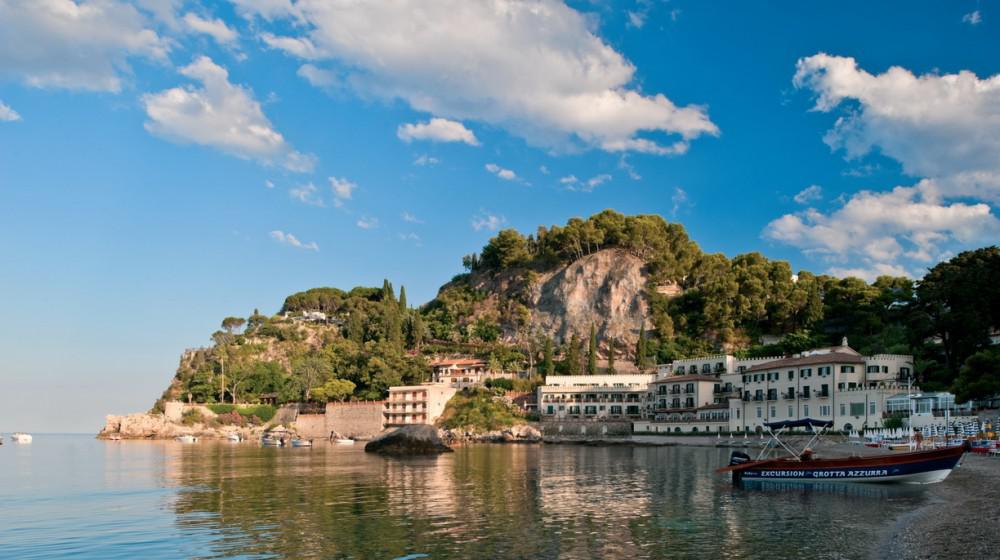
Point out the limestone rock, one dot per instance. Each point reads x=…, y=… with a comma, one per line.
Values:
x=417, y=439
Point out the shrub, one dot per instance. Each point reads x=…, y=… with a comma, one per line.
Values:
x=500, y=383
x=191, y=417
x=221, y=408
x=264, y=412
x=231, y=418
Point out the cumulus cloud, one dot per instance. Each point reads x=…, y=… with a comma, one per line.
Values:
x=214, y=28
x=942, y=128
x=7, y=114
x=505, y=174
x=463, y=60
x=973, y=18
x=317, y=77
x=809, y=194
x=935, y=125
x=487, y=221
x=342, y=189
x=289, y=239
x=65, y=44
x=306, y=194
x=426, y=160
x=437, y=130
x=221, y=115
x=366, y=222
x=883, y=228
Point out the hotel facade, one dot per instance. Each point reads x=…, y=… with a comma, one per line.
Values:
x=723, y=393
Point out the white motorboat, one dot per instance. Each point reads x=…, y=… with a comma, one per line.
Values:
x=187, y=439
x=343, y=441
x=235, y=438
x=20, y=437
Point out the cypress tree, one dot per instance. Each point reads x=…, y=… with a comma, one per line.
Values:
x=640, y=349
x=572, y=358
x=548, y=366
x=592, y=351
x=611, y=356
x=402, y=298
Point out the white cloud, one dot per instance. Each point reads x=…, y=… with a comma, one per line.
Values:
x=306, y=194
x=871, y=273
x=425, y=160
x=636, y=19
x=318, y=77
x=882, y=228
x=342, y=189
x=679, y=199
x=410, y=237
x=366, y=222
x=464, y=60
x=289, y=239
x=574, y=184
x=408, y=217
x=809, y=194
x=221, y=115
x=267, y=9
x=505, y=174
x=7, y=114
x=569, y=180
x=65, y=44
x=598, y=180
x=623, y=164
x=934, y=125
x=268, y=183
x=973, y=18
x=437, y=130
x=543, y=169
x=487, y=221
x=214, y=28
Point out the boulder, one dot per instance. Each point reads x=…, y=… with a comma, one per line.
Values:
x=417, y=439
x=522, y=432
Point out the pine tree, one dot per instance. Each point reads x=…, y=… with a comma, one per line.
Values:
x=640, y=349
x=355, y=327
x=592, y=351
x=402, y=298
x=611, y=356
x=572, y=358
x=548, y=365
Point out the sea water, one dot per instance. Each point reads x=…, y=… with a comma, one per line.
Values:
x=77, y=497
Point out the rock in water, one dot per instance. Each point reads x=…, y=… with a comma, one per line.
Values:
x=418, y=439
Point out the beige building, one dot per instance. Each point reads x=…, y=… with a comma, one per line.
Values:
x=594, y=397
x=464, y=372
x=416, y=404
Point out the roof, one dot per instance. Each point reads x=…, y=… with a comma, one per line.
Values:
x=814, y=359
x=681, y=378
x=457, y=362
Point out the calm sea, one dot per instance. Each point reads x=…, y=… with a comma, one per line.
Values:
x=73, y=496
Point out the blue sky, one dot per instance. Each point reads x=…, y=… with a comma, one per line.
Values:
x=165, y=163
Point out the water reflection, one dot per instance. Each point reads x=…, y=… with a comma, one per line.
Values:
x=510, y=502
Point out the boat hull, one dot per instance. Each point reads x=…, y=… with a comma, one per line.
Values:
x=921, y=467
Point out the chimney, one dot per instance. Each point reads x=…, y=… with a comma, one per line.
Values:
x=843, y=342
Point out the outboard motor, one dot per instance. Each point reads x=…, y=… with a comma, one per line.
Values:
x=738, y=458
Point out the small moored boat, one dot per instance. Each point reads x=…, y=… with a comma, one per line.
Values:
x=302, y=442
x=186, y=439
x=344, y=441
x=20, y=437
x=234, y=437
x=918, y=467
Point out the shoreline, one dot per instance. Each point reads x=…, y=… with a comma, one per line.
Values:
x=958, y=521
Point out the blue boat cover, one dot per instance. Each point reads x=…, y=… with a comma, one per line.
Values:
x=803, y=423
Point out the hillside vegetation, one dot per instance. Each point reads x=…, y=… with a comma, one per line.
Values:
x=629, y=290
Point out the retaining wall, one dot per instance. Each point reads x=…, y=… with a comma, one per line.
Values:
x=585, y=430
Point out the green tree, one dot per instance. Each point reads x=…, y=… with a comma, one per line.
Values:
x=572, y=356
x=402, y=299
x=548, y=364
x=611, y=356
x=311, y=372
x=592, y=351
x=508, y=249
x=334, y=390
x=231, y=324
x=980, y=376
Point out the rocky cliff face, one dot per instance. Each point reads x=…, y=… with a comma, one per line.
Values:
x=606, y=288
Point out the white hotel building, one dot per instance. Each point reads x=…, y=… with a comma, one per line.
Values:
x=722, y=393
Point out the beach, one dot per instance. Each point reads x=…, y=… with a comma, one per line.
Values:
x=959, y=521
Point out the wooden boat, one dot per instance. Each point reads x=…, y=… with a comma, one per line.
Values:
x=918, y=467
x=20, y=437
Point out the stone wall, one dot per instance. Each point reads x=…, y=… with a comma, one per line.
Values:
x=312, y=426
x=359, y=420
x=569, y=429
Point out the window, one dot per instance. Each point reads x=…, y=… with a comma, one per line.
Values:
x=904, y=371
x=550, y=410
x=745, y=378
x=871, y=407
x=872, y=369
x=758, y=412
x=846, y=369
x=774, y=412
x=857, y=409
x=805, y=410
x=706, y=368
x=791, y=412
x=805, y=392
x=616, y=409
x=741, y=369
x=590, y=410
x=885, y=369
x=738, y=413
x=791, y=375
x=843, y=409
